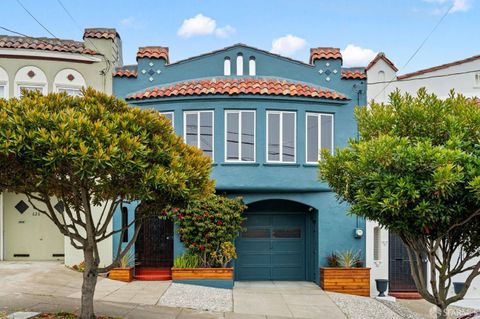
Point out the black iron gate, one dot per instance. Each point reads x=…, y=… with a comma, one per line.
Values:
x=154, y=246
x=399, y=272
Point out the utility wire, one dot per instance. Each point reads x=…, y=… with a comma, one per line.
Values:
x=418, y=49
x=44, y=27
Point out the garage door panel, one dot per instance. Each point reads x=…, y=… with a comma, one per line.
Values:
x=245, y=246
x=272, y=247
x=253, y=260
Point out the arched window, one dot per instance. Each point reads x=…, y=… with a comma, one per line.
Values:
x=240, y=64
x=377, y=243
x=227, y=67
x=30, y=78
x=381, y=76
x=252, y=66
x=69, y=81
x=3, y=84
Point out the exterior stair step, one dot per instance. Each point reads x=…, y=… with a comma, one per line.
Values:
x=405, y=295
x=153, y=274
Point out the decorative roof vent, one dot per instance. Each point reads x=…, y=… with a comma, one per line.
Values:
x=324, y=53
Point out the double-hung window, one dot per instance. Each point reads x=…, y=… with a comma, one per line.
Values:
x=281, y=136
x=3, y=91
x=168, y=115
x=319, y=135
x=30, y=88
x=198, y=130
x=239, y=136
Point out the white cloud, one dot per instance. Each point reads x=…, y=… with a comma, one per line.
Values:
x=224, y=32
x=287, y=45
x=357, y=56
x=131, y=22
x=203, y=25
x=444, y=5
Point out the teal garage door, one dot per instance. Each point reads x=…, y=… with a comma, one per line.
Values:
x=272, y=247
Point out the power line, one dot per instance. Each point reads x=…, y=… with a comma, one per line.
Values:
x=44, y=27
x=418, y=49
x=425, y=77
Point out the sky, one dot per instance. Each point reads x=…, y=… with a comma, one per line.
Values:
x=360, y=28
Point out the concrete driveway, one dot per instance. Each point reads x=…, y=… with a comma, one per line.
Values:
x=50, y=286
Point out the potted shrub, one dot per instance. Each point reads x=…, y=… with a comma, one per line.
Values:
x=345, y=274
x=125, y=270
x=208, y=229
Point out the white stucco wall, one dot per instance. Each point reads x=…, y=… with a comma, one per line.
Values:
x=74, y=256
x=378, y=268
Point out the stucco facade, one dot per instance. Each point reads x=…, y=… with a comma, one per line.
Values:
x=273, y=172
x=50, y=65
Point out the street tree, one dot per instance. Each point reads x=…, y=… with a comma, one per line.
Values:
x=94, y=152
x=415, y=169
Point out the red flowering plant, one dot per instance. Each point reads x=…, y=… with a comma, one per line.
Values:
x=208, y=228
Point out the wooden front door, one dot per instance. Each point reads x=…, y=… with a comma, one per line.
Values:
x=154, y=246
x=399, y=273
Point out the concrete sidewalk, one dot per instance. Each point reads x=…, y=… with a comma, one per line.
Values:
x=51, y=287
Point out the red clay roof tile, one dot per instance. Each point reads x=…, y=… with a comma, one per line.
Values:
x=153, y=53
x=238, y=86
x=381, y=56
x=324, y=53
x=44, y=44
x=126, y=73
x=353, y=75
x=100, y=33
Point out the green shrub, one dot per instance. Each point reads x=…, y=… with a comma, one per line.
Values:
x=187, y=260
x=208, y=227
x=348, y=258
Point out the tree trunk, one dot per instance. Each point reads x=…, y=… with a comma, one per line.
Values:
x=88, y=286
x=441, y=313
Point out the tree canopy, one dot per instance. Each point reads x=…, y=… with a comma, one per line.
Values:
x=415, y=169
x=95, y=150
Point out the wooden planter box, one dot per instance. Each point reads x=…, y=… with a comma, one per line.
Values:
x=122, y=274
x=209, y=277
x=353, y=281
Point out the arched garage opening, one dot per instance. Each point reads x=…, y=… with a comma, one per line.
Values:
x=279, y=242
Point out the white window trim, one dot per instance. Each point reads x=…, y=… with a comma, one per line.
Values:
x=227, y=66
x=198, y=121
x=281, y=137
x=239, y=64
x=173, y=116
x=41, y=86
x=319, y=121
x=476, y=84
x=239, y=112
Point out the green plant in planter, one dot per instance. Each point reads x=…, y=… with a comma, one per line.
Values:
x=332, y=260
x=187, y=260
x=128, y=260
x=208, y=227
x=348, y=258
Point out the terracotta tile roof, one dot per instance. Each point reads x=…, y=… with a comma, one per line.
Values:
x=101, y=33
x=239, y=86
x=153, y=53
x=324, y=53
x=381, y=56
x=439, y=67
x=353, y=75
x=126, y=73
x=45, y=44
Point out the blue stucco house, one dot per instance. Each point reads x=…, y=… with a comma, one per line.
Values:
x=262, y=118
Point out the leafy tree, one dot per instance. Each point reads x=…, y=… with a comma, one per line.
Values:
x=90, y=151
x=208, y=226
x=415, y=169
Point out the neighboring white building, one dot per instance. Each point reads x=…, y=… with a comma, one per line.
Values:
x=384, y=252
